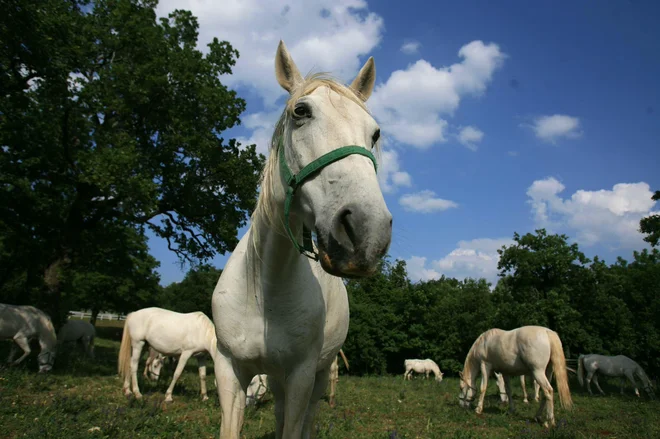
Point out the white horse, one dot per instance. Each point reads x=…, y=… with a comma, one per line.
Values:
x=422, y=366
x=24, y=323
x=529, y=349
x=502, y=389
x=155, y=362
x=170, y=333
x=275, y=310
x=74, y=330
x=616, y=366
x=257, y=389
x=334, y=377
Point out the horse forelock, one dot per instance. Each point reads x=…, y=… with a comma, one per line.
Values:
x=265, y=210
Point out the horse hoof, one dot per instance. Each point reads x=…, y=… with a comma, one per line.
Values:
x=168, y=399
x=138, y=396
x=205, y=398
x=478, y=411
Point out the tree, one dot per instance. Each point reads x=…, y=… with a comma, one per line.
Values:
x=541, y=275
x=193, y=293
x=107, y=115
x=115, y=273
x=650, y=225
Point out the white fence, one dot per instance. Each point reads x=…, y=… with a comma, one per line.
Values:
x=101, y=316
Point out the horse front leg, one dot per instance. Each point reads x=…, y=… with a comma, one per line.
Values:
x=185, y=356
x=231, y=392
x=631, y=378
x=299, y=387
x=485, y=371
x=24, y=344
x=320, y=384
x=201, y=367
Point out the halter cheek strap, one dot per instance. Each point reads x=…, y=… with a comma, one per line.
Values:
x=294, y=181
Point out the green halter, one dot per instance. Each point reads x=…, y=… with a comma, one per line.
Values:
x=295, y=181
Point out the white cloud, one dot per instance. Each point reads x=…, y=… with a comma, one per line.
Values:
x=390, y=174
x=411, y=47
x=469, y=137
x=596, y=217
x=476, y=259
x=324, y=35
x=262, y=125
x=552, y=128
x=425, y=202
x=410, y=104
x=417, y=270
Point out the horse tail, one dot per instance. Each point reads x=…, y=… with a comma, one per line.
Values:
x=125, y=352
x=341, y=352
x=559, y=367
x=580, y=371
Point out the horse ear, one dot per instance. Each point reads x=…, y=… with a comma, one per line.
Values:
x=363, y=84
x=286, y=71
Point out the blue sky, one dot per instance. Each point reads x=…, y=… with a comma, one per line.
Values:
x=548, y=117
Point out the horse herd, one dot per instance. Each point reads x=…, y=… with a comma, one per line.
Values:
x=280, y=308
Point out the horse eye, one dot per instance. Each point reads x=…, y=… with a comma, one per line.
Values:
x=301, y=110
x=376, y=136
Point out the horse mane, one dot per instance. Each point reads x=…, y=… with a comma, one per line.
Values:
x=264, y=210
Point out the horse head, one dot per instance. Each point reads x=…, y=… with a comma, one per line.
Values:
x=328, y=171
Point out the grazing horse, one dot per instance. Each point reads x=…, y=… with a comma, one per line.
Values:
x=422, y=366
x=529, y=349
x=334, y=377
x=280, y=307
x=74, y=330
x=617, y=366
x=170, y=333
x=257, y=389
x=502, y=389
x=24, y=323
x=154, y=364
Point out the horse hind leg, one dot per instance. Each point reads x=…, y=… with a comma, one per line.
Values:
x=524, y=389
x=547, y=398
x=590, y=376
x=137, y=346
x=598, y=384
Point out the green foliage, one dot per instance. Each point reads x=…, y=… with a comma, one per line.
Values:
x=193, y=293
x=651, y=225
x=111, y=120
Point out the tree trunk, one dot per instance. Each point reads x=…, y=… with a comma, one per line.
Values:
x=95, y=314
x=52, y=279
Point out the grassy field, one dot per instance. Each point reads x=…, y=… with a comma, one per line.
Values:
x=83, y=399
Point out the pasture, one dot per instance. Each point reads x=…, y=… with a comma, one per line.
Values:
x=83, y=399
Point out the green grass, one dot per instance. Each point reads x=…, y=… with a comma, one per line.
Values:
x=80, y=395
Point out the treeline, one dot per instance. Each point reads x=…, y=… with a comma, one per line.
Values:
x=595, y=307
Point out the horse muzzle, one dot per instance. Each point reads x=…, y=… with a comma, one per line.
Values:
x=357, y=240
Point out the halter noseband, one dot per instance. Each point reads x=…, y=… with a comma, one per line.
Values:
x=294, y=181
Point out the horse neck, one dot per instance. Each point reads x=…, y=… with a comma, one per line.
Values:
x=271, y=255
x=47, y=338
x=471, y=369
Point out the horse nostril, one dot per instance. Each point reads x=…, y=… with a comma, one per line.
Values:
x=345, y=219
